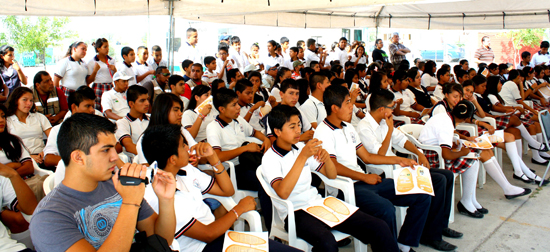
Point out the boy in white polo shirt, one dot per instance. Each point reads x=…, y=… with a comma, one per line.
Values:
x=144, y=72
x=156, y=58
x=313, y=107
x=377, y=129
x=130, y=127
x=373, y=195
x=114, y=102
x=250, y=112
x=210, y=74
x=287, y=167
x=125, y=66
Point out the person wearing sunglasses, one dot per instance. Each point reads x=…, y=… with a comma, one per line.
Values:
x=157, y=85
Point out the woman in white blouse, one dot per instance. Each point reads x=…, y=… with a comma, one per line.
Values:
x=25, y=123
x=359, y=57
x=429, y=80
x=102, y=77
x=71, y=71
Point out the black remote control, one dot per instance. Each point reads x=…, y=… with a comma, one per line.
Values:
x=131, y=181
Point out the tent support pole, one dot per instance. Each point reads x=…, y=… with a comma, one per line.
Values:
x=171, y=37
x=377, y=19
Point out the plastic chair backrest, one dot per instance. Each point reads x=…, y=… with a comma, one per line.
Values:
x=544, y=119
x=412, y=129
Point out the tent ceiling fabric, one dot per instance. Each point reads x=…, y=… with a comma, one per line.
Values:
x=445, y=14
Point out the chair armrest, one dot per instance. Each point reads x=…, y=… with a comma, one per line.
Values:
x=491, y=121
x=404, y=151
x=471, y=128
x=252, y=217
x=405, y=119
x=232, y=173
x=343, y=183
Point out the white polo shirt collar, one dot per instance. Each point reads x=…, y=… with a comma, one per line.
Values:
x=131, y=119
x=279, y=151
x=72, y=59
x=222, y=123
x=374, y=125
x=332, y=126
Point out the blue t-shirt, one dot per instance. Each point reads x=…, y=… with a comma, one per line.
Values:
x=65, y=216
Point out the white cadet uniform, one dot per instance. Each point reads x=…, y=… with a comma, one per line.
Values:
x=314, y=110
x=8, y=199
x=190, y=116
x=228, y=136
x=116, y=102
x=277, y=163
x=72, y=73
x=510, y=94
x=132, y=128
x=188, y=202
x=128, y=70
x=31, y=132
x=140, y=69
x=341, y=144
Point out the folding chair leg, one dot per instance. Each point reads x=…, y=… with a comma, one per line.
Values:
x=545, y=173
x=481, y=178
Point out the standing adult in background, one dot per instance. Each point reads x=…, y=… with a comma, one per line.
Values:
x=49, y=100
x=102, y=78
x=71, y=71
x=484, y=54
x=340, y=51
x=378, y=54
x=235, y=54
x=542, y=57
x=156, y=58
x=397, y=51
x=311, y=54
x=190, y=50
x=11, y=71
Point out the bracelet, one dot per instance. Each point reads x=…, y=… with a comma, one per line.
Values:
x=202, y=116
x=249, y=112
x=130, y=204
x=235, y=211
x=216, y=164
x=218, y=173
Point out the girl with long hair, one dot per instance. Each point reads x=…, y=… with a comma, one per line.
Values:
x=429, y=80
x=12, y=74
x=195, y=122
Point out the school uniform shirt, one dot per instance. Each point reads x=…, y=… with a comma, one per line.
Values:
x=25, y=157
x=8, y=199
x=190, y=116
x=240, y=59
x=128, y=70
x=311, y=56
x=130, y=127
x=272, y=61
x=494, y=101
x=275, y=92
x=51, y=143
x=140, y=69
x=254, y=118
x=374, y=133
x=188, y=200
x=191, y=53
x=485, y=104
x=428, y=80
x=314, y=110
x=341, y=55
x=151, y=61
x=362, y=60
x=520, y=65
x=209, y=77
x=31, y=132
x=72, y=73
x=288, y=63
x=141, y=158
x=10, y=77
x=441, y=107
x=354, y=118
x=438, y=93
x=277, y=163
x=408, y=99
x=421, y=96
x=228, y=136
x=303, y=121
x=539, y=58
x=219, y=68
x=510, y=93
x=341, y=144
x=104, y=75
x=116, y=102
x=439, y=131
x=69, y=113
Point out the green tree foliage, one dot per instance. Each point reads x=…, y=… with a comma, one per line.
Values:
x=36, y=34
x=524, y=38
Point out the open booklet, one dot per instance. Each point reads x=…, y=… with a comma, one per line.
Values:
x=204, y=103
x=245, y=241
x=409, y=181
x=545, y=91
x=485, y=141
x=330, y=210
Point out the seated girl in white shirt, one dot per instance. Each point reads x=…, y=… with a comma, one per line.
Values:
x=405, y=100
x=195, y=122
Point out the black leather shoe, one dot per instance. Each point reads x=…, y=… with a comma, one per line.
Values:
x=523, y=178
x=525, y=192
x=537, y=162
x=483, y=210
x=544, y=183
x=439, y=245
x=447, y=232
x=542, y=148
x=464, y=211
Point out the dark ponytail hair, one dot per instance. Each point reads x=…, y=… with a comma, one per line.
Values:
x=463, y=110
x=73, y=46
x=3, y=50
x=492, y=88
x=99, y=43
x=280, y=73
x=197, y=91
x=10, y=144
x=376, y=81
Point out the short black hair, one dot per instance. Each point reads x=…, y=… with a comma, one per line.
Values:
x=223, y=47
x=399, y=75
x=160, y=142
x=492, y=66
x=442, y=71
x=460, y=73
x=348, y=64
x=174, y=79
x=513, y=74
x=159, y=69
x=189, y=31
x=463, y=61
x=299, y=43
x=284, y=39
x=80, y=132
x=125, y=51
x=242, y=85
x=314, y=79
x=235, y=39
x=305, y=71
x=38, y=77
x=544, y=44
x=463, y=110
x=186, y=63
x=156, y=48
x=525, y=54
x=339, y=82
x=310, y=42
x=280, y=115
x=232, y=73
x=451, y=87
x=295, y=49
x=380, y=99
x=289, y=83
x=208, y=60
x=223, y=97
x=467, y=83
x=334, y=95
x=343, y=38
x=502, y=67
x=197, y=65
x=360, y=68
x=313, y=63
x=134, y=92
x=479, y=79
x=81, y=94
x=254, y=74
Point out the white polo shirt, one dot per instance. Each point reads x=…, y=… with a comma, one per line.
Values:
x=130, y=127
x=104, y=75
x=239, y=57
x=303, y=120
x=140, y=69
x=190, y=52
x=342, y=56
x=254, y=118
x=273, y=61
x=408, y=99
x=228, y=136
x=154, y=65
x=190, y=116
x=520, y=65
x=494, y=101
x=341, y=144
x=116, y=102
x=314, y=110
x=72, y=73
x=5, y=160
x=209, y=77
x=276, y=92
x=31, y=132
x=277, y=163
x=141, y=158
x=51, y=144
x=510, y=93
x=438, y=93
x=362, y=60
x=439, y=131
x=219, y=68
x=428, y=80
x=8, y=199
x=373, y=133
x=311, y=56
x=190, y=187
x=539, y=58
x=128, y=70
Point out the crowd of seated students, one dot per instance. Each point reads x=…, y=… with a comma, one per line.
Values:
x=295, y=111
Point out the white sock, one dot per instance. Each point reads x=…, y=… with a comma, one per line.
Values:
x=527, y=136
x=469, y=181
x=514, y=158
x=519, y=146
x=494, y=170
x=528, y=172
x=403, y=248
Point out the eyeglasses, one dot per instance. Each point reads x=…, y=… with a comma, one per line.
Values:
x=392, y=107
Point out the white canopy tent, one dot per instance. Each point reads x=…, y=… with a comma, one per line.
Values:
x=426, y=14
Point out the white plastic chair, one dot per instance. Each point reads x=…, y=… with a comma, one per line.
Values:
x=252, y=217
x=405, y=119
x=239, y=194
x=278, y=225
x=48, y=185
x=544, y=120
x=40, y=171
